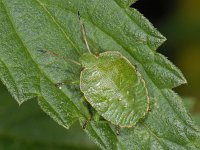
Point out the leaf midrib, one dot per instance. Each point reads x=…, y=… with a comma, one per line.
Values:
x=59, y=26
x=26, y=49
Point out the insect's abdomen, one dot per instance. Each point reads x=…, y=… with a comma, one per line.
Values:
x=115, y=89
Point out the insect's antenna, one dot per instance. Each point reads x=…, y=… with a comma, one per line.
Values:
x=57, y=55
x=83, y=32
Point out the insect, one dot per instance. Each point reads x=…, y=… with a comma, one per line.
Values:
x=113, y=86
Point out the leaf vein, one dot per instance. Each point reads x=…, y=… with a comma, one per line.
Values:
x=26, y=49
x=59, y=26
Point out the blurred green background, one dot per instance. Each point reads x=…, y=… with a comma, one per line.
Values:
x=179, y=22
x=27, y=127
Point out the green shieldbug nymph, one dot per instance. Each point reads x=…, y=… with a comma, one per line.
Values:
x=112, y=86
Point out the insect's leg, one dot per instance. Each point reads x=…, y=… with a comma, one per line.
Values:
x=96, y=117
x=86, y=123
x=86, y=109
x=58, y=56
x=117, y=128
x=99, y=119
x=93, y=46
x=90, y=113
x=82, y=28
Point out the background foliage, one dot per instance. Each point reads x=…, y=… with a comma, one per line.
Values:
x=179, y=21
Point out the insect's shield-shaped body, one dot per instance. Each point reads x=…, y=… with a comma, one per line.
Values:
x=113, y=87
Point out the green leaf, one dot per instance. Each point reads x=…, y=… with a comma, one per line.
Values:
x=28, y=127
x=27, y=26
x=125, y=3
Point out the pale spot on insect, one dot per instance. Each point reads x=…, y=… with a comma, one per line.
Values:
x=95, y=73
x=98, y=84
x=126, y=105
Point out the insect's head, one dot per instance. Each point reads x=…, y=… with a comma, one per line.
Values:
x=88, y=60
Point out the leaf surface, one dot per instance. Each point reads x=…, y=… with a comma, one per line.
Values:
x=27, y=26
